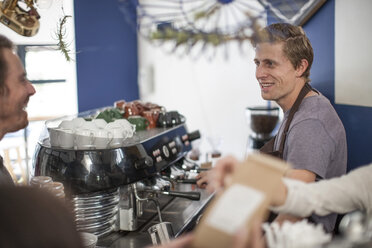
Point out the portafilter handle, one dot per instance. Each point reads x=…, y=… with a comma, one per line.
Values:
x=190, y=181
x=194, y=196
x=194, y=135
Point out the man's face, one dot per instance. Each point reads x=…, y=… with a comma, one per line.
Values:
x=16, y=94
x=275, y=73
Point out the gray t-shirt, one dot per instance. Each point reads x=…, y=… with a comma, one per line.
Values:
x=316, y=141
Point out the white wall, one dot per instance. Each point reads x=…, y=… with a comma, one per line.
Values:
x=212, y=94
x=353, y=40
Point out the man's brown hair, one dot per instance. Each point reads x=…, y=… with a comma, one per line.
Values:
x=296, y=44
x=5, y=43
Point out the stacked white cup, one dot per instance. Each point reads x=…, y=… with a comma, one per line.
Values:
x=63, y=136
x=121, y=129
x=97, y=134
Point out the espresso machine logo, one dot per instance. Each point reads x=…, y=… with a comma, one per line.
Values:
x=24, y=22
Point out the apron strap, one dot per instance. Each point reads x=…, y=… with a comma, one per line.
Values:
x=306, y=89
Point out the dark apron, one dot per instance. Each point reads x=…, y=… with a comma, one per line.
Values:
x=268, y=148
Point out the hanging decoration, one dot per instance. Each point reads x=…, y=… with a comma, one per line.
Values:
x=196, y=26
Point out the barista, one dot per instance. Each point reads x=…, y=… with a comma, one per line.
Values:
x=311, y=137
x=29, y=217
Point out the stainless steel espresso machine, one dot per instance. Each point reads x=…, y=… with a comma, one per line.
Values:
x=118, y=193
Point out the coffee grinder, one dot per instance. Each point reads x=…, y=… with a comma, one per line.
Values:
x=262, y=120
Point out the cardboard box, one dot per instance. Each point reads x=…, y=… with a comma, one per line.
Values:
x=248, y=196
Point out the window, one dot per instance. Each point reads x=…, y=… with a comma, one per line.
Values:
x=55, y=82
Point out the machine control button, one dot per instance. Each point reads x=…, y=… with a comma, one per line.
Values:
x=174, y=150
x=156, y=152
x=165, y=151
x=172, y=144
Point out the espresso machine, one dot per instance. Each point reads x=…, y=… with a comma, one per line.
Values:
x=117, y=191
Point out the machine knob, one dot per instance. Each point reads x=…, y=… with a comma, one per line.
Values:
x=165, y=151
x=143, y=163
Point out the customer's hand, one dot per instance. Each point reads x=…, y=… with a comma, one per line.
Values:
x=181, y=242
x=280, y=195
x=220, y=175
x=202, y=179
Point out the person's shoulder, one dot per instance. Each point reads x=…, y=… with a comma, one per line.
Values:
x=317, y=101
x=323, y=101
x=317, y=111
x=318, y=107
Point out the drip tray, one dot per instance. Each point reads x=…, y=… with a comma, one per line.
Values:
x=182, y=213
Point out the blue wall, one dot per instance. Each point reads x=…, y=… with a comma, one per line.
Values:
x=357, y=120
x=107, y=54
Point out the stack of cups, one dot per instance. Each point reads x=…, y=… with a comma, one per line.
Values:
x=45, y=182
x=56, y=188
x=39, y=181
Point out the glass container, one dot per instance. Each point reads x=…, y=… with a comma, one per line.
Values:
x=262, y=121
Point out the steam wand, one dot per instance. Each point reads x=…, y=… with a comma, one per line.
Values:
x=138, y=198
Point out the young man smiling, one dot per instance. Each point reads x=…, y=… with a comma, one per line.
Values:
x=311, y=137
x=15, y=91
